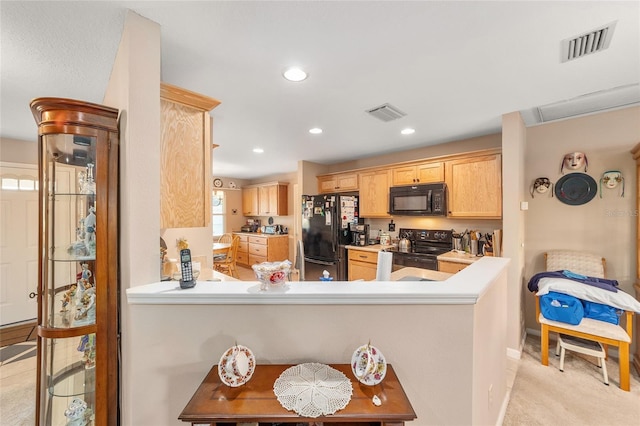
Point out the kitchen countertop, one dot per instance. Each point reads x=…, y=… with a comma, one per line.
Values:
x=464, y=287
x=458, y=257
x=260, y=234
x=374, y=247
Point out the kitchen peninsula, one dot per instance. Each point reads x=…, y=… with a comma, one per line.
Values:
x=444, y=338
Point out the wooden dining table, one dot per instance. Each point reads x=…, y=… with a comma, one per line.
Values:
x=220, y=248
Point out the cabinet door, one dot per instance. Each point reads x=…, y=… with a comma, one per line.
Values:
x=404, y=175
x=362, y=271
x=430, y=172
x=475, y=187
x=250, y=201
x=185, y=158
x=267, y=200
x=374, y=194
x=450, y=267
x=338, y=183
x=327, y=184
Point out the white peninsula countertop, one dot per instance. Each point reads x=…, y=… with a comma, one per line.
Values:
x=465, y=287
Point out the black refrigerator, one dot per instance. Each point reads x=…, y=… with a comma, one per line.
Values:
x=325, y=233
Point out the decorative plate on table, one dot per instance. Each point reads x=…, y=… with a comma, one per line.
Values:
x=575, y=189
x=359, y=361
x=246, y=365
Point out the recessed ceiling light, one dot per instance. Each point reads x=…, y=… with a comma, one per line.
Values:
x=258, y=150
x=294, y=74
x=315, y=131
x=408, y=131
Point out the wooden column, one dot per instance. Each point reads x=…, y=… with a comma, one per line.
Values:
x=636, y=155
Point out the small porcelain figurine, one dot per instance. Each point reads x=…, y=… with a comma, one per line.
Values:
x=75, y=413
x=574, y=161
x=611, y=179
x=541, y=185
x=86, y=309
x=88, y=347
x=90, y=230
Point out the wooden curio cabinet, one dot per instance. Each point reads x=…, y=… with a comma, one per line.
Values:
x=78, y=321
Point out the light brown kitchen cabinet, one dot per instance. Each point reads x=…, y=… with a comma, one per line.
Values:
x=185, y=157
x=269, y=199
x=250, y=201
x=272, y=248
x=418, y=174
x=451, y=267
x=272, y=200
x=338, y=183
x=374, y=193
x=363, y=265
x=242, y=257
x=474, y=186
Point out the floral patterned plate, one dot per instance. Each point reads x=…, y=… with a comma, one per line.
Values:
x=359, y=362
x=245, y=366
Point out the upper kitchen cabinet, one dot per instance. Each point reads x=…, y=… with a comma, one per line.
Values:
x=267, y=199
x=340, y=182
x=474, y=184
x=418, y=173
x=250, y=201
x=374, y=193
x=185, y=157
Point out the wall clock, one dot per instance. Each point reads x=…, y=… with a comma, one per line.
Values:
x=217, y=183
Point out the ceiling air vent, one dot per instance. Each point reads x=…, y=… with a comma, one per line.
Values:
x=386, y=112
x=591, y=42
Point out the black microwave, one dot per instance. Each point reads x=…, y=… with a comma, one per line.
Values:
x=418, y=200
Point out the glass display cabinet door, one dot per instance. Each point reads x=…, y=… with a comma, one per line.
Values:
x=77, y=299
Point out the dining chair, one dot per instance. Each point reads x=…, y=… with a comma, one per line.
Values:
x=226, y=238
x=228, y=264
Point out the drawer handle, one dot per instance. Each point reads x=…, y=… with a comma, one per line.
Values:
x=363, y=256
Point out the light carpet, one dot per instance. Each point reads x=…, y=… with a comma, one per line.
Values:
x=543, y=395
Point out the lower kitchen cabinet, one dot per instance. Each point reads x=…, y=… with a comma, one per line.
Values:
x=451, y=267
x=258, y=248
x=362, y=265
x=242, y=256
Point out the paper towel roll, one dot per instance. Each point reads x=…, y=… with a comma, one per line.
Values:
x=383, y=271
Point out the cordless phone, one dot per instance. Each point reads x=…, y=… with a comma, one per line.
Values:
x=187, y=280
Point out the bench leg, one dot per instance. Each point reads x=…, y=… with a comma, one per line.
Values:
x=623, y=355
x=544, y=344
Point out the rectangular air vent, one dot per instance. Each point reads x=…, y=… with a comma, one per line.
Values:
x=386, y=112
x=584, y=44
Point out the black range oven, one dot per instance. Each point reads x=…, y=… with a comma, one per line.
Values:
x=426, y=246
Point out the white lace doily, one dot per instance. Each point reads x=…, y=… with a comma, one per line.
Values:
x=313, y=389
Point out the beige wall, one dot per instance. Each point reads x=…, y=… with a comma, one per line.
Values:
x=18, y=151
x=513, y=193
x=605, y=226
x=134, y=88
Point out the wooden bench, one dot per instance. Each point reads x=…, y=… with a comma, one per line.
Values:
x=590, y=329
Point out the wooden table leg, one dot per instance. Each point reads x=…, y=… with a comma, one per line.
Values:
x=544, y=344
x=623, y=355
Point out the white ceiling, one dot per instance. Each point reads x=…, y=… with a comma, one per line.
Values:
x=453, y=67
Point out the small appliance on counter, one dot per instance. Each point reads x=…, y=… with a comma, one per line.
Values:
x=275, y=229
x=359, y=234
x=252, y=226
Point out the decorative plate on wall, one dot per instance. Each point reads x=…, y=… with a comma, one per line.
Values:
x=576, y=189
x=217, y=183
